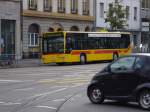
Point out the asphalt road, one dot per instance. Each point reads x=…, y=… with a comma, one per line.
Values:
x=53, y=89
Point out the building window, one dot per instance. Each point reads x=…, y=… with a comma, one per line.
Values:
x=61, y=6
x=74, y=28
x=110, y=5
x=85, y=7
x=135, y=40
x=127, y=12
x=116, y=1
x=146, y=4
x=74, y=6
x=33, y=39
x=135, y=13
x=7, y=36
x=48, y=5
x=102, y=10
x=143, y=3
x=32, y=4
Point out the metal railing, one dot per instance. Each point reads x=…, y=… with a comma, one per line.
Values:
x=141, y=50
x=8, y=60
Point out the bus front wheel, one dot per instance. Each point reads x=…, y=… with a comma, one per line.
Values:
x=82, y=59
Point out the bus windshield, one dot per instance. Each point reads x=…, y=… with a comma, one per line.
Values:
x=53, y=44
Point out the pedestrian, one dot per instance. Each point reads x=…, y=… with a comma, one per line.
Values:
x=2, y=44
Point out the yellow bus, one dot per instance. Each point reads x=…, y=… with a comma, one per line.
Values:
x=70, y=46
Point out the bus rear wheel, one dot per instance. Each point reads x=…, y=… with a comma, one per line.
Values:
x=82, y=59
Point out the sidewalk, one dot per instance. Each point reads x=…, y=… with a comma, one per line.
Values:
x=24, y=63
x=28, y=63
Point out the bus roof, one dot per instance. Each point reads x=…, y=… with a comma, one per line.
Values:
x=88, y=32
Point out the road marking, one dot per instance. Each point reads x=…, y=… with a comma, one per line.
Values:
x=46, y=107
x=48, y=93
x=59, y=100
x=75, y=81
x=39, y=74
x=77, y=78
x=15, y=81
x=82, y=79
x=78, y=85
x=8, y=81
x=9, y=103
x=41, y=95
x=24, y=89
x=46, y=81
x=60, y=86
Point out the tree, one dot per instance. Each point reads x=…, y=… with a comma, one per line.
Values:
x=116, y=16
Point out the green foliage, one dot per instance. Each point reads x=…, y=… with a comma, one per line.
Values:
x=116, y=16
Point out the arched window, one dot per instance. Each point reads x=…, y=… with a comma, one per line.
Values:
x=74, y=28
x=57, y=27
x=33, y=34
x=51, y=29
x=87, y=29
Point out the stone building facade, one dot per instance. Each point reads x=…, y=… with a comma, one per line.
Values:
x=133, y=18
x=10, y=28
x=145, y=24
x=41, y=16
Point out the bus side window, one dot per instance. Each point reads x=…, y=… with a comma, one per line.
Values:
x=101, y=44
x=69, y=44
x=105, y=42
x=96, y=43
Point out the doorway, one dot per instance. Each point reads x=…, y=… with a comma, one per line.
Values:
x=8, y=37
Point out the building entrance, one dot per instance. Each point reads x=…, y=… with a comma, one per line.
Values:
x=7, y=37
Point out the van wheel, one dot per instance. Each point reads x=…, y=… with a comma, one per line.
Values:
x=82, y=59
x=144, y=99
x=115, y=56
x=95, y=95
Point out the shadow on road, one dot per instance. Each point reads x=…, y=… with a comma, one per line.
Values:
x=113, y=105
x=76, y=64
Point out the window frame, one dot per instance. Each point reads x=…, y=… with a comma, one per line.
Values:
x=146, y=4
x=85, y=7
x=74, y=6
x=36, y=36
x=127, y=12
x=47, y=5
x=135, y=13
x=32, y=4
x=101, y=10
x=61, y=6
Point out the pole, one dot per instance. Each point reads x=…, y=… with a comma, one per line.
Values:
x=21, y=25
x=95, y=13
x=0, y=39
x=140, y=21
